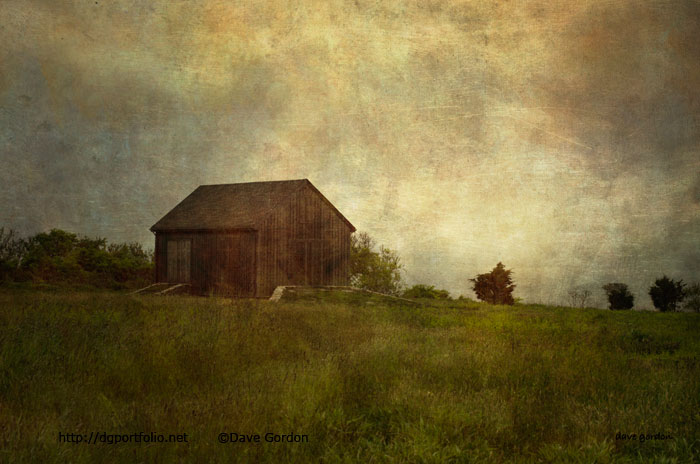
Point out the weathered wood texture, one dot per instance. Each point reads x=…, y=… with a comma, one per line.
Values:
x=178, y=259
x=301, y=239
x=305, y=243
x=220, y=263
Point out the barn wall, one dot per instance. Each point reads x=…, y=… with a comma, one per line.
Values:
x=221, y=263
x=160, y=252
x=304, y=242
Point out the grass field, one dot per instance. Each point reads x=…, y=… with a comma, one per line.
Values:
x=365, y=380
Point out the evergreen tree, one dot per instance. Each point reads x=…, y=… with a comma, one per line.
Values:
x=667, y=293
x=495, y=287
x=619, y=296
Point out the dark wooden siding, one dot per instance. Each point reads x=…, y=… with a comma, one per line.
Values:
x=221, y=263
x=303, y=243
x=178, y=254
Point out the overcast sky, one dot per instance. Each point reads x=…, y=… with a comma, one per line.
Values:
x=560, y=137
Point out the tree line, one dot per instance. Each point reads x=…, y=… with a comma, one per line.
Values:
x=379, y=269
x=59, y=257
x=668, y=295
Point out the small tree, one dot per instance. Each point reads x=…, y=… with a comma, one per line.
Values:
x=12, y=252
x=692, y=298
x=619, y=296
x=379, y=271
x=579, y=297
x=495, y=287
x=667, y=293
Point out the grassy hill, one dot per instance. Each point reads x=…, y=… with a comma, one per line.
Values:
x=366, y=380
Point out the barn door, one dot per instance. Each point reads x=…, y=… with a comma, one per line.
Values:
x=179, y=259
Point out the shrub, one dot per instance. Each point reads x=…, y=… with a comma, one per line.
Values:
x=58, y=256
x=495, y=287
x=426, y=291
x=692, y=298
x=666, y=294
x=619, y=296
x=379, y=271
x=578, y=297
x=12, y=251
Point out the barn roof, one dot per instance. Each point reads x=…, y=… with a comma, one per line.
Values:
x=233, y=206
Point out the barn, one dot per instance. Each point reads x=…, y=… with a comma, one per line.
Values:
x=244, y=240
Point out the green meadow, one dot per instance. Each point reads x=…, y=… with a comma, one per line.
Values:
x=363, y=379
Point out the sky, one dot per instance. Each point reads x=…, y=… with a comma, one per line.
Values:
x=561, y=138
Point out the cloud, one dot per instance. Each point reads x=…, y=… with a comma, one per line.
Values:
x=561, y=139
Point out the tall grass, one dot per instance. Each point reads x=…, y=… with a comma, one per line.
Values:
x=366, y=380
